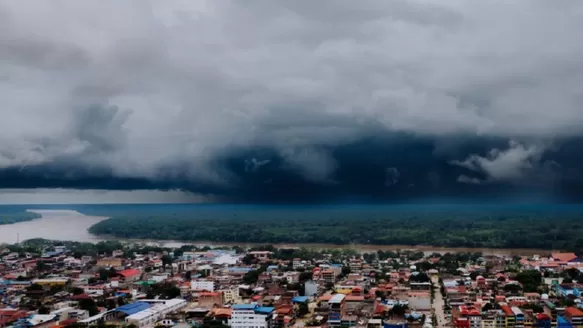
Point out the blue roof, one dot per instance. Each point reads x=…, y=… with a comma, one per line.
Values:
x=244, y=306
x=235, y=269
x=300, y=299
x=264, y=309
x=562, y=322
x=335, y=265
x=133, y=308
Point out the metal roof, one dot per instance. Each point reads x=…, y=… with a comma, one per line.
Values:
x=133, y=308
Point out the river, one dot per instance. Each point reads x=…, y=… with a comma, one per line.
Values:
x=72, y=225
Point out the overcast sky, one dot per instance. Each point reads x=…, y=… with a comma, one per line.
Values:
x=254, y=98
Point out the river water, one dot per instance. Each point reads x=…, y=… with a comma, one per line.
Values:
x=72, y=225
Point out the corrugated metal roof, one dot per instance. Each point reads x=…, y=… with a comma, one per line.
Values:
x=133, y=308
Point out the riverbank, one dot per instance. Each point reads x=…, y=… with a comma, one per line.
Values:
x=54, y=225
x=73, y=226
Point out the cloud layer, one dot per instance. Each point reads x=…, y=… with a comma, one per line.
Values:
x=224, y=96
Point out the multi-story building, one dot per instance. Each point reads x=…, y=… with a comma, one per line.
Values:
x=336, y=310
x=519, y=317
x=251, y=316
x=542, y=320
x=310, y=288
x=328, y=276
x=355, y=265
x=550, y=310
x=467, y=317
x=202, y=284
x=231, y=295
x=574, y=316
x=510, y=316
x=297, y=263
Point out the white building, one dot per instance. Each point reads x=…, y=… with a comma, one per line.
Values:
x=202, y=284
x=158, y=311
x=297, y=263
x=310, y=288
x=251, y=316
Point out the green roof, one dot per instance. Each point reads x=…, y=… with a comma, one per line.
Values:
x=145, y=283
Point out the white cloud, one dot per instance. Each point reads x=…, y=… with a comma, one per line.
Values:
x=511, y=164
x=136, y=87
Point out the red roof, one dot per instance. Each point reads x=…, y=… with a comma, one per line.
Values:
x=564, y=257
x=80, y=297
x=353, y=298
x=130, y=273
x=507, y=310
x=573, y=312
x=542, y=316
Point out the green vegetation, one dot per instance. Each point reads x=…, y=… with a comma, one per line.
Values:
x=544, y=227
x=10, y=215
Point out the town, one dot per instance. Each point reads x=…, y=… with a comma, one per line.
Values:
x=47, y=284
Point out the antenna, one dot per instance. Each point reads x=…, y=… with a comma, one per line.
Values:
x=18, y=238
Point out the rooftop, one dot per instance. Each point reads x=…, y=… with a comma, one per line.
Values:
x=133, y=308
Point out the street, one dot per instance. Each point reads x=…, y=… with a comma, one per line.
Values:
x=438, y=304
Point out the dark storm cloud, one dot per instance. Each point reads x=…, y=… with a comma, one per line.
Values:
x=276, y=100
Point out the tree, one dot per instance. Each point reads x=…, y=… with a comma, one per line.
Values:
x=77, y=291
x=35, y=287
x=305, y=276
x=40, y=266
x=303, y=309
x=398, y=310
x=44, y=310
x=166, y=260
x=89, y=305
x=103, y=274
x=512, y=288
x=487, y=307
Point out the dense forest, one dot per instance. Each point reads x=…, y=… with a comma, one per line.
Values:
x=9, y=215
x=547, y=227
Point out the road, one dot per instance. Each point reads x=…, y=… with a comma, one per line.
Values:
x=438, y=304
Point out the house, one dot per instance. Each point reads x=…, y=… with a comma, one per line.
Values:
x=565, y=257
x=9, y=316
x=130, y=275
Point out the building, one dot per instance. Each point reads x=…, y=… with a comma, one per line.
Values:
x=419, y=301
x=542, y=320
x=202, y=284
x=565, y=257
x=297, y=263
x=519, y=317
x=251, y=316
x=328, y=276
x=574, y=316
x=158, y=311
x=210, y=299
x=336, y=310
x=467, y=317
x=109, y=262
x=261, y=255
x=231, y=295
x=310, y=288
x=510, y=316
